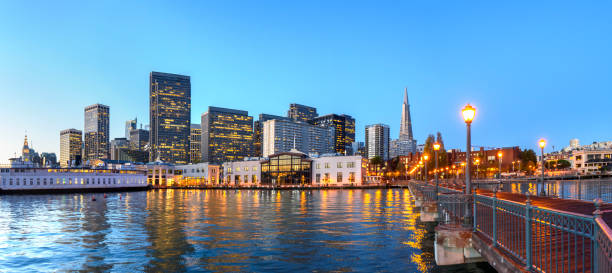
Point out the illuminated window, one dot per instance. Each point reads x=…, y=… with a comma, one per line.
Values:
x=351, y=177
x=339, y=176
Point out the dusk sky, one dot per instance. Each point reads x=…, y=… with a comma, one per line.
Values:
x=532, y=69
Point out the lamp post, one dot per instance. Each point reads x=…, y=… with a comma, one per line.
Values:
x=426, y=158
x=477, y=162
x=436, y=147
x=468, y=113
x=421, y=168
x=499, y=159
x=542, y=144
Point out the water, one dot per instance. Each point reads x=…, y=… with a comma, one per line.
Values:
x=587, y=190
x=218, y=231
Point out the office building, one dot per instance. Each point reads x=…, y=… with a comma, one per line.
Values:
x=117, y=145
x=139, y=139
x=339, y=170
x=242, y=173
x=344, y=130
x=227, y=135
x=170, y=117
x=298, y=112
x=195, y=143
x=284, y=135
x=71, y=142
x=377, y=141
x=96, y=137
x=258, y=132
x=129, y=126
x=405, y=144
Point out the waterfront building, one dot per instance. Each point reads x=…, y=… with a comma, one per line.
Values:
x=196, y=175
x=591, y=161
x=377, y=141
x=344, y=130
x=283, y=135
x=129, y=126
x=139, y=139
x=170, y=117
x=258, y=132
x=71, y=147
x=298, y=112
x=96, y=137
x=227, y=135
x=66, y=179
x=488, y=159
x=339, y=170
x=242, y=173
x=160, y=174
x=286, y=168
x=195, y=140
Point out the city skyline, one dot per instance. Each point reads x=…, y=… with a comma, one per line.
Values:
x=549, y=78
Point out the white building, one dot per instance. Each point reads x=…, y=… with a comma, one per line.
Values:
x=590, y=161
x=377, y=141
x=243, y=173
x=338, y=170
x=197, y=174
x=283, y=135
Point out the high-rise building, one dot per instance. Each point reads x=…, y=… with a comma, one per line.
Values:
x=300, y=112
x=139, y=139
x=344, y=126
x=96, y=138
x=405, y=144
x=227, y=135
x=285, y=135
x=129, y=126
x=170, y=117
x=71, y=143
x=258, y=132
x=195, y=140
x=117, y=145
x=377, y=141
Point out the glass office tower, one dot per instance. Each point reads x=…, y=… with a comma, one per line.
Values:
x=227, y=135
x=170, y=117
x=344, y=127
x=96, y=138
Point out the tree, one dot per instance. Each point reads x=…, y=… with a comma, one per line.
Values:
x=376, y=161
x=528, y=160
x=428, y=149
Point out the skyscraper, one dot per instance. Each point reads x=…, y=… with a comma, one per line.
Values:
x=344, y=126
x=170, y=117
x=96, y=136
x=227, y=135
x=129, y=126
x=283, y=135
x=258, y=132
x=139, y=138
x=377, y=141
x=300, y=112
x=195, y=143
x=406, y=143
x=71, y=144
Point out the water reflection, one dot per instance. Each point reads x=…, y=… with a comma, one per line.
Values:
x=570, y=189
x=216, y=230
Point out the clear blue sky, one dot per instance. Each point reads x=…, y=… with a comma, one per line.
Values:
x=532, y=68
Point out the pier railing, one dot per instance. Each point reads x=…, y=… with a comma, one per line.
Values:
x=545, y=240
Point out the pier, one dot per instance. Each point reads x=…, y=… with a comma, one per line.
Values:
x=517, y=232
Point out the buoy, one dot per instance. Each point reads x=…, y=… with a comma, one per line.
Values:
x=120, y=197
x=93, y=198
x=105, y=195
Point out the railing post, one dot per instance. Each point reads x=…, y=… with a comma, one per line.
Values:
x=596, y=215
x=474, y=207
x=495, y=218
x=528, y=232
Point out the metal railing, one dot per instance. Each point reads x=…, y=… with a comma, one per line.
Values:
x=545, y=240
x=453, y=207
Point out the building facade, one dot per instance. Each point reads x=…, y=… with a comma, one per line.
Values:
x=118, y=144
x=196, y=175
x=227, y=135
x=284, y=135
x=339, y=170
x=242, y=173
x=344, y=130
x=258, y=132
x=71, y=151
x=96, y=135
x=195, y=139
x=139, y=139
x=377, y=141
x=298, y=112
x=170, y=117
x=287, y=168
x=591, y=161
x=129, y=126
x=405, y=143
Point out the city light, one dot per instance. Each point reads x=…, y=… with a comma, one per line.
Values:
x=469, y=113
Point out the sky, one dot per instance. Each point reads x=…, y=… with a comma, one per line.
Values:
x=532, y=69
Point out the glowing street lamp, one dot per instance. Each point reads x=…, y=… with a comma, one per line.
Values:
x=436, y=147
x=542, y=144
x=426, y=158
x=499, y=159
x=468, y=113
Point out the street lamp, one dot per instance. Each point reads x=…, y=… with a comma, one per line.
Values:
x=542, y=144
x=477, y=162
x=421, y=168
x=499, y=159
x=436, y=147
x=426, y=158
x=468, y=113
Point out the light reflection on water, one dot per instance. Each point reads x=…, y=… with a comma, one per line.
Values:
x=218, y=230
x=569, y=189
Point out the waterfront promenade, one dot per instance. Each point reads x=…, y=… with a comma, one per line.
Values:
x=522, y=233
